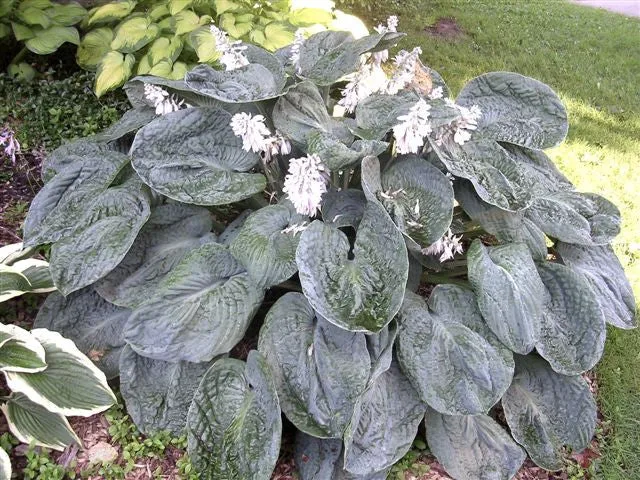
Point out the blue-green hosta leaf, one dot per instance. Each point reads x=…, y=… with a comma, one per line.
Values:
x=509, y=291
x=31, y=422
x=5, y=465
x=572, y=332
x=454, y=369
x=546, y=410
x=360, y=288
x=205, y=170
x=572, y=217
x=234, y=423
x=472, y=447
x=131, y=121
x=336, y=155
x=201, y=309
x=320, y=370
x=158, y=394
x=172, y=231
x=20, y=351
x=103, y=234
x=377, y=114
x=517, y=109
x=265, y=248
x=343, y=208
x=606, y=277
x=94, y=325
x=233, y=229
x=70, y=385
x=384, y=424
x=380, y=346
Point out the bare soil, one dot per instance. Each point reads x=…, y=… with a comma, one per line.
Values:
x=446, y=28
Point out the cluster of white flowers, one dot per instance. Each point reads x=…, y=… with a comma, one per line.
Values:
x=436, y=93
x=369, y=79
x=163, y=101
x=10, y=143
x=391, y=26
x=460, y=129
x=414, y=127
x=231, y=52
x=305, y=183
x=446, y=247
x=405, y=70
x=257, y=138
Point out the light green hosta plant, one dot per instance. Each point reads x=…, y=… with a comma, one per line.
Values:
x=308, y=195
x=21, y=274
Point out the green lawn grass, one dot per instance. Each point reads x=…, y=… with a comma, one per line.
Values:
x=592, y=59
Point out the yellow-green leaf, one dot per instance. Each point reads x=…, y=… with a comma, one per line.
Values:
x=110, y=12
x=49, y=40
x=114, y=69
x=22, y=71
x=158, y=12
x=239, y=30
x=227, y=20
x=39, y=4
x=164, y=68
x=133, y=34
x=226, y=6
x=67, y=15
x=180, y=69
x=34, y=16
x=93, y=47
x=144, y=65
x=278, y=35
x=186, y=21
x=4, y=30
x=5, y=7
x=21, y=32
x=176, y=6
x=164, y=48
x=310, y=16
x=204, y=43
x=257, y=36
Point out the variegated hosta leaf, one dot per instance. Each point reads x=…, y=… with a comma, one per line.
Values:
x=93, y=324
x=338, y=156
x=516, y=109
x=20, y=351
x=206, y=169
x=572, y=332
x=320, y=370
x=343, y=208
x=509, y=291
x=377, y=114
x=31, y=422
x=360, y=288
x=234, y=423
x=384, y=424
x=572, y=217
x=265, y=247
x=606, y=277
x=87, y=171
x=172, y=231
x=70, y=385
x=454, y=369
x=200, y=310
x=5, y=465
x=30, y=275
x=102, y=236
x=546, y=410
x=158, y=394
x=472, y=447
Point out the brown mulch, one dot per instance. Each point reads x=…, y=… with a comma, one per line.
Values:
x=446, y=28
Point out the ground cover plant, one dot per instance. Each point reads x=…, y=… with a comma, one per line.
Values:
x=277, y=176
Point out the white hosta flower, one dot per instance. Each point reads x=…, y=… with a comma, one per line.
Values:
x=252, y=130
x=367, y=80
x=305, y=183
x=405, y=70
x=436, y=93
x=296, y=228
x=231, y=52
x=468, y=121
x=446, y=247
x=391, y=26
x=10, y=143
x=275, y=145
x=163, y=101
x=414, y=127
x=295, y=49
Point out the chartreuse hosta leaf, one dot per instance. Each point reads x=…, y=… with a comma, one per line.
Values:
x=546, y=410
x=205, y=170
x=158, y=394
x=70, y=385
x=110, y=12
x=234, y=423
x=5, y=465
x=31, y=422
x=50, y=39
x=93, y=324
x=454, y=368
x=201, y=309
x=264, y=245
x=320, y=370
x=172, y=231
x=510, y=292
x=112, y=221
x=472, y=447
x=93, y=46
x=384, y=424
x=20, y=351
x=133, y=34
x=605, y=275
x=358, y=288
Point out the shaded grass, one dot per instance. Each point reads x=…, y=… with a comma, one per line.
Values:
x=592, y=59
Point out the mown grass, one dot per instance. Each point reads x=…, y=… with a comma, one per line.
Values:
x=592, y=59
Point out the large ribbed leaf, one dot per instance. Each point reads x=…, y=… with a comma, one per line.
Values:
x=343, y=208
x=20, y=351
x=517, y=109
x=572, y=217
x=606, y=276
x=384, y=424
x=320, y=370
x=233, y=228
x=158, y=394
x=510, y=292
x=377, y=114
x=70, y=385
x=131, y=121
x=264, y=246
x=454, y=369
x=337, y=155
x=94, y=325
x=102, y=236
x=205, y=169
x=200, y=310
x=234, y=422
x=31, y=422
x=359, y=288
x=380, y=346
x=572, y=332
x=473, y=447
x=172, y=231
x=546, y=410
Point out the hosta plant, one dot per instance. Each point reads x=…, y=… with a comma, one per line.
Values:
x=389, y=257
x=19, y=273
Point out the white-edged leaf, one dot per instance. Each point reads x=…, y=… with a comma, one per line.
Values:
x=20, y=351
